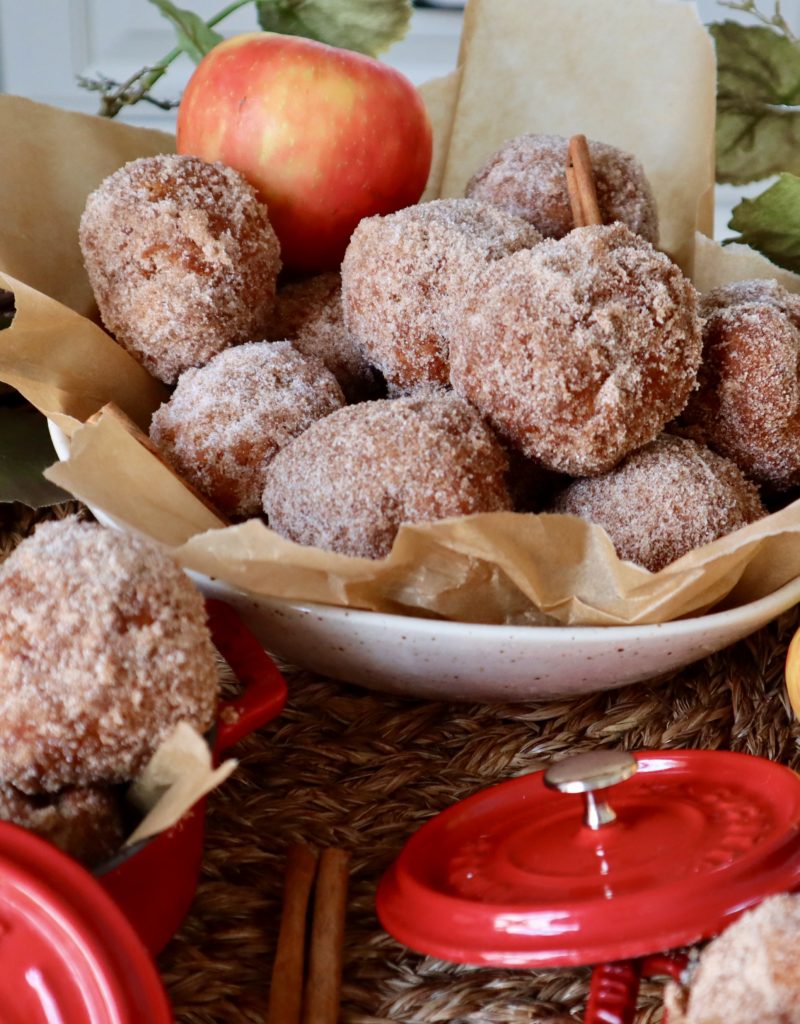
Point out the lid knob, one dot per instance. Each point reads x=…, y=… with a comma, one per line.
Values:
x=586, y=773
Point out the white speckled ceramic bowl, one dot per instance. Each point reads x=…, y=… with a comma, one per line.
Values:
x=460, y=661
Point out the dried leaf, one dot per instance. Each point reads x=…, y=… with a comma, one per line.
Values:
x=758, y=102
x=770, y=223
x=368, y=26
x=25, y=451
x=7, y=308
x=194, y=35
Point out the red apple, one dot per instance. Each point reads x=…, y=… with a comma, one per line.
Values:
x=327, y=136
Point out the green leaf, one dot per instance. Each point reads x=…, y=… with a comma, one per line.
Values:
x=771, y=222
x=26, y=450
x=758, y=102
x=194, y=35
x=368, y=26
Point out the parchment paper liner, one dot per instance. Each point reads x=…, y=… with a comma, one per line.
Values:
x=178, y=774
x=639, y=74
x=546, y=66
x=494, y=567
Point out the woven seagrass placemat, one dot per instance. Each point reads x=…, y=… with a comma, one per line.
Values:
x=346, y=767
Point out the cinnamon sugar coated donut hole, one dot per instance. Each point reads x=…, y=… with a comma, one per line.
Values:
x=580, y=350
x=226, y=420
x=766, y=291
x=664, y=500
x=182, y=260
x=103, y=650
x=309, y=314
x=350, y=480
x=749, y=974
x=402, y=274
x=747, y=405
x=85, y=822
x=526, y=177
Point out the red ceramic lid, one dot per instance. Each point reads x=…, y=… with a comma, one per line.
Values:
x=514, y=877
x=68, y=954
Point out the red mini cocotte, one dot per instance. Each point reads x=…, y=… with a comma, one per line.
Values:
x=540, y=871
x=76, y=948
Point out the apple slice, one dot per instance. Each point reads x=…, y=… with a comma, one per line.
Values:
x=793, y=673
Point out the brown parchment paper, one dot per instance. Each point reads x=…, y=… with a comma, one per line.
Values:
x=715, y=265
x=440, y=96
x=155, y=502
x=178, y=774
x=491, y=568
x=496, y=567
x=66, y=365
x=51, y=160
x=639, y=74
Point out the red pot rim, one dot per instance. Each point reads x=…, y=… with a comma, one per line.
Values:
x=512, y=877
x=66, y=947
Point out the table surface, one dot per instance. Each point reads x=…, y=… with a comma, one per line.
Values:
x=346, y=767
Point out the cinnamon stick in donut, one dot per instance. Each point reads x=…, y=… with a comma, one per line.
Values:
x=574, y=196
x=581, y=184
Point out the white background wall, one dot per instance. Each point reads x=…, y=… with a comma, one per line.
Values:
x=45, y=44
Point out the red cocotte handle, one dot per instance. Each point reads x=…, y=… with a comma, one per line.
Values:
x=264, y=688
x=613, y=992
x=615, y=987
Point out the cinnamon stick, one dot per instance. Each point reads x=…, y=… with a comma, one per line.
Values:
x=582, y=187
x=286, y=987
x=574, y=196
x=323, y=987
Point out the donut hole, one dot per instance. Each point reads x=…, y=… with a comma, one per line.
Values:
x=664, y=500
x=350, y=481
x=105, y=649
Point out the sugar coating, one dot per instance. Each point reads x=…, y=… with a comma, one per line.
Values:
x=750, y=973
x=580, y=350
x=182, y=260
x=351, y=479
x=664, y=500
x=225, y=421
x=747, y=405
x=85, y=822
x=526, y=176
x=309, y=313
x=402, y=275
x=103, y=650
x=766, y=291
